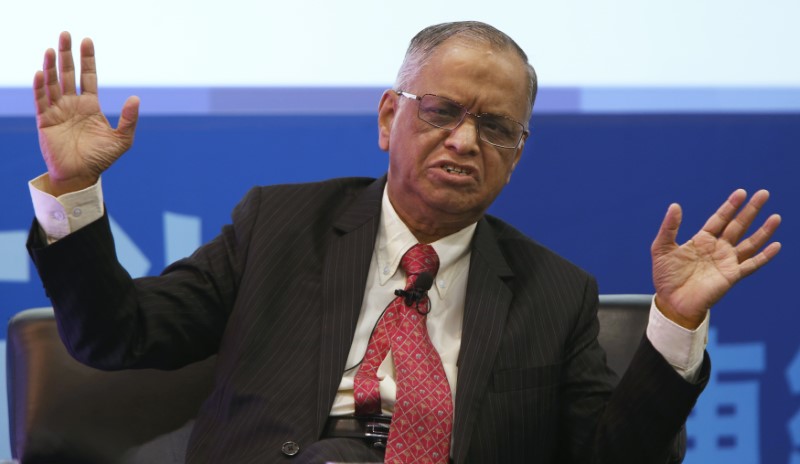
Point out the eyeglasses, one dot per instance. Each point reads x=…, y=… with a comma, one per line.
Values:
x=446, y=114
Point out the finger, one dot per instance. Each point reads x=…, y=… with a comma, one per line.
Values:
x=668, y=232
x=88, y=69
x=51, y=76
x=66, y=64
x=129, y=117
x=737, y=228
x=756, y=262
x=725, y=214
x=39, y=93
x=752, y=244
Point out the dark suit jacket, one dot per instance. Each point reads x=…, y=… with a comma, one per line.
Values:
x=277, y=295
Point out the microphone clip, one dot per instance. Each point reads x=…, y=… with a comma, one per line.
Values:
x=412, y=297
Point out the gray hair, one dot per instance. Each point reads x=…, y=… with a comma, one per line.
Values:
x=429, y=39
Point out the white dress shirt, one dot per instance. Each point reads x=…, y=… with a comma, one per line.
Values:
x=682, y=348
x=447, y=297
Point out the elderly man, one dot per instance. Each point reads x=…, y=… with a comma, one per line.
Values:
x=498, y=362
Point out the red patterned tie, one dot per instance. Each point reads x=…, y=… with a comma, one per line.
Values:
x=423, y=413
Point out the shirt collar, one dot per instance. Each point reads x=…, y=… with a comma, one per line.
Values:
x=394, y=239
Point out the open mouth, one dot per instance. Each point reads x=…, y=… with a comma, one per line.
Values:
x=456, y=170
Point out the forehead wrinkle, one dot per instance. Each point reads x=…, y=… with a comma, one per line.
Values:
x=481, y=76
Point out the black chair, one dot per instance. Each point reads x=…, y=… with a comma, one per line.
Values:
x=62, y=411
x=623, y=321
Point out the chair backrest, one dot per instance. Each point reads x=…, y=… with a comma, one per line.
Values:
x=623, y=321
x=62, y=411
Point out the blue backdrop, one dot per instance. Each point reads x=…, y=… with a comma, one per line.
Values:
x=594, y=187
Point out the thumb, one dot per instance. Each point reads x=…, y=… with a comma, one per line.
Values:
x=668, y=233
x=129, y=117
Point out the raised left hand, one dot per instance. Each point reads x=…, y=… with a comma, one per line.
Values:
x=690, y=278
x=76, y=139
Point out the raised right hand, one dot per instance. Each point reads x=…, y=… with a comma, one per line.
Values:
x=76, y=139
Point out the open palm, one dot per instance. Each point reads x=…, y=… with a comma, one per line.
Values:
x=692, y=277
x=76, y=139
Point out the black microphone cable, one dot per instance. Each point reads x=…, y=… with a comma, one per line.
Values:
x=423, y=283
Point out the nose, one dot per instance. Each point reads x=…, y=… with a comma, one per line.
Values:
x=464, y=139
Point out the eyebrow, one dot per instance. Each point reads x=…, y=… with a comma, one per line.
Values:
x=484, y=112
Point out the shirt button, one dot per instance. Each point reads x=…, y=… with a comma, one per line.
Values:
x=442, y=283
x=290, y=448
x=76, y=212
x=386, y=270
x=58, y=216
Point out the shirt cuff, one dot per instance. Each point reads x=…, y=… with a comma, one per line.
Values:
x=682, y=348
x=58, y=217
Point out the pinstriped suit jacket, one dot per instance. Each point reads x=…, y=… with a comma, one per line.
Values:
x=277, y=295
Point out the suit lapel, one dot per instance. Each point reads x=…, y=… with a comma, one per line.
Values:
x=486, y=307
x=347, y=261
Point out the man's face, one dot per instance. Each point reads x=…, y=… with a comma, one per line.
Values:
x=439, y=178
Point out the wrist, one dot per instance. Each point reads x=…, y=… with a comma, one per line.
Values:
x=691, y=321
x=58, y=187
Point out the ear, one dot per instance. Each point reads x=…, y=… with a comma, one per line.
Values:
x=386, y=111
x=517, y=157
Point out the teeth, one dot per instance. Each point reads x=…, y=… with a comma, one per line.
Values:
x=455, y=170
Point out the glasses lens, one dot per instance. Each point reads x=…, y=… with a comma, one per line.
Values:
x=500, y=131
x=440, y=112
x=447, y=114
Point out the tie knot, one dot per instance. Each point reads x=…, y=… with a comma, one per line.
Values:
x=420, y=258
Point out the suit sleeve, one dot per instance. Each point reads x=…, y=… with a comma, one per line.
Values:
x=645, y=413
x=110, y=321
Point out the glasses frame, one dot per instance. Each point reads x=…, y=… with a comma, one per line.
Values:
x=464, y=112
